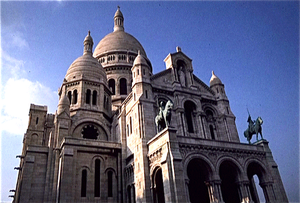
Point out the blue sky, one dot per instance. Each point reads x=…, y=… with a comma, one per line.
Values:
x=253, y=47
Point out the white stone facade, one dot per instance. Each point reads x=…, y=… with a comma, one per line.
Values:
x=103, y=145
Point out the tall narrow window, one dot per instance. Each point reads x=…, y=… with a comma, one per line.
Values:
x=123, y=86
x=130, y=125
x=75, y=97
x=83, y=183
x=211, y=128
x=189, y=107
x=97, y=178
x=70, y=96
x=94, y=102
x=88, y=96
x=112, y=86
x=129, y=193
x=110, y=184
x=37, y=120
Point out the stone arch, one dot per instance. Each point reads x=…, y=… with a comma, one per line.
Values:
x=77, y=127
x=83, y=176
x=256, y=167
x=211, y=117
x=157, y=185
x=181, y=69
x=34, y=139
x=111, y=181
x=123, y=86
x=112, y=85
x=189, y=110
x=230, y=172
x=198, y=156
x=198, y=173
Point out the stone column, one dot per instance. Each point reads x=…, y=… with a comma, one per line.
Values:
x=268, y=191
x=187, y=182
x=244, y=191
x=214, y=191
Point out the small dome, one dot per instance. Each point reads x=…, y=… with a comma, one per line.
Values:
x=214, y=80
x=118, y=13
x=88, y=38
x=140, y=60
x=86, y=65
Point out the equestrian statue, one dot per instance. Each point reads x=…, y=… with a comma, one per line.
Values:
x=254, y=127
x=163, y=119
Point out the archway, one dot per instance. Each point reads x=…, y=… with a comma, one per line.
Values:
x=256, y=177
x=198, y=174
x=229, y=176
x=158, y=186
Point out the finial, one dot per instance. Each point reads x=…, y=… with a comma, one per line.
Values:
x=139, y=52
x=213, y=73
x=89, y=33
x=178, y=49
x=118, y=7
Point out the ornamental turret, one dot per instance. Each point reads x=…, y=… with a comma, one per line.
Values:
x=217, y=86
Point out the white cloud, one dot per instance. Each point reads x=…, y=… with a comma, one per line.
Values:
x=18, y=40
x=17, y=95
x=11, y=66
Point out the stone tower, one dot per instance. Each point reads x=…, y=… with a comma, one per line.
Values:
x=123, y=134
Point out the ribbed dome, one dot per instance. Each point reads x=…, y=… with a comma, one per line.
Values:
x=118, y=41
x=118, y=13
x=139, y=60
x=214, y=80
x=86, y=66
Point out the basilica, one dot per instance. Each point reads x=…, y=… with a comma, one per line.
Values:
x=124, y=134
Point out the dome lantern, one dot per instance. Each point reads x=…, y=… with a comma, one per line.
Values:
x=119, y=20
x=88, y=44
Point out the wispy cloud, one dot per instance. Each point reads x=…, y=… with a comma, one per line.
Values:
x=18, y=40
x=17, y=93
x=11, y=66
x=17, y=96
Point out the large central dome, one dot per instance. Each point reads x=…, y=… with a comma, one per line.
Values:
x=119, y=40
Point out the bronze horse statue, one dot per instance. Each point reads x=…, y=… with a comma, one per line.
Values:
x=254, y=128
x=163, y=119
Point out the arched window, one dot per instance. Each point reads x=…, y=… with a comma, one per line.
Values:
x=88, y=96
x=90, y=132
x=75, y=97
x=110, y=184
x=83, y=183
x=112, y=86
x=97, y=178
x=70, y=96
x=123, y=86
x=189, y=107
x=94, y=101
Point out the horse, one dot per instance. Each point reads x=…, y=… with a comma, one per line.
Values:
x=163, y=119
x=254, y=129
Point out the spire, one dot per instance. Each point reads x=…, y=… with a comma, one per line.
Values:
x=88, y=44
x=119, y=20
